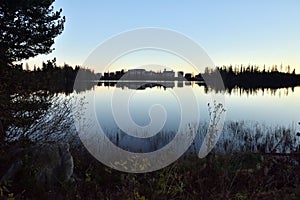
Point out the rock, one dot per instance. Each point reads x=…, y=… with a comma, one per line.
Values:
x=49, y=165
x=53, y=164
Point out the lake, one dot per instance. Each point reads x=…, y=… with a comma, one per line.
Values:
x=256, y=120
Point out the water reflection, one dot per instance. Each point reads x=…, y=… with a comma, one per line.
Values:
x=142, y=85
x=243, y=136
x=254, y=91
x=271, y=106
x=207, y=89
x=258, y=119
x=36, y=116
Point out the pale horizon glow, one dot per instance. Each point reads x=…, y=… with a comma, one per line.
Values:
x=232, y=32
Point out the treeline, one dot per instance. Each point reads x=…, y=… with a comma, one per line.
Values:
x=252, y=77
x=49, y=77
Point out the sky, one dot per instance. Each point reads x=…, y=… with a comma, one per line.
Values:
x=231, y=32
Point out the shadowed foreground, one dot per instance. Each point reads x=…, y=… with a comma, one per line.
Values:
x=218, y=176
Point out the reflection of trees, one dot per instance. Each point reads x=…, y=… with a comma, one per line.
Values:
x=36, y=116
x=22, y=109
x=252, y=91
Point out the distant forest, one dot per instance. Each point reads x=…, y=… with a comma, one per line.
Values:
x=49, y=77
x=252, y=77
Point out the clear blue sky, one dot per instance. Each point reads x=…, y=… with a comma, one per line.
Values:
x=232, y=31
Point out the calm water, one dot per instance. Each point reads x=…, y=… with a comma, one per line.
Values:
x=269, y=106
x=255, y=120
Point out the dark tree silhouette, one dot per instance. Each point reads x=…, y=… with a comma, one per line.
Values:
x=27, y=28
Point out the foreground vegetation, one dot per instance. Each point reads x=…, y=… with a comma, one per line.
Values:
x=218, y=176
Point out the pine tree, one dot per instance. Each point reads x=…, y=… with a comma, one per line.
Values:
x=27, y=28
